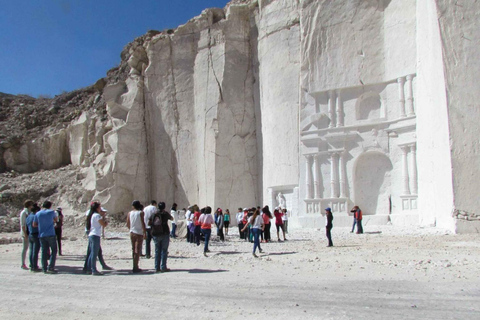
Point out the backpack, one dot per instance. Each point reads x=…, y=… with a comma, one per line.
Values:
x=156, y=223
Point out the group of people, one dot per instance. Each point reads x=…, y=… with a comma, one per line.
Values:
x=357, y=220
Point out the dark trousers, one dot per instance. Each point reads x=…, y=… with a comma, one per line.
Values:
x=34, y=249
x=220, y=234
x=240, y=232
x=148, y=242
x=329, y=236
x=197, y=235
x=189, y=236
x=49, y=248
x=174, y=229
x=359, y=226
x=161, y=251
x=58, y=232
x=354, y=223
x=206, y=233
x=267, y=232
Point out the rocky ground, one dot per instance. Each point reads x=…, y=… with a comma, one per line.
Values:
x=385, y=273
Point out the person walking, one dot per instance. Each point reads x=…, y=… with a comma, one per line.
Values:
x=329, y=225
x=149, y=211
x=161, y=236
x=44, y=220
x=239, y=218
x=206, y=220
x=267, y=215
x=94, y=237
x=285, y=220
x=357, y=214
x=138, y=232
x=34, y=242
x=279, y=223
x=27, y=209
x=226, y=221
x=58, y=229
x=174, y=214
x=257, y=226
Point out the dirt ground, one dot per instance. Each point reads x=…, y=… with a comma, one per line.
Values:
x=386, y=273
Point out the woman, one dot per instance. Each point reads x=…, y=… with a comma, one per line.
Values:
x=196, y=222
x=96, y=224
x=256, y=221
x=279, y=223
x=206, y=221
x=226, y=221
x=329, y=226
x=358, y=216
x=138, y=232
x=94, y=206
x=161, y=236
x=58, y=229
x=220, y=225
x=267, y=215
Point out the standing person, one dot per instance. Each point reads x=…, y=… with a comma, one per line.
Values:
x=174, y=214
x=96, y=223
x=161, y=236
x=357, y=213
x=285, y=220
x=267, y=215
x=27, y=209
x=279, y=223
x=188, y=218
x=138, y=232
x=329, y=225
x=94, y=207
x=44, y=220
x=58, y=229
x=354, y=221
x=34, y=242
x=196, y=221
x=220, y=224
x=256, y=221
x=206, y=220
x=239, y=218
x=226, y=221
x=149, y=211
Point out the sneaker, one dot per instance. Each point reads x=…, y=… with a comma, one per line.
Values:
x=51, y=272
x=137, y=270
x=254, y=255
x=147, y=257
x=260, y=250
x=158, y=271
x=107, y=268
x=24, y=267
x=35, y=270
x=165, y=270
x=96, y=273
x=205, y=254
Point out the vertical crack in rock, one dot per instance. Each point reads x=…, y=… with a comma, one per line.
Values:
x=176, y=116
x=210, y=58
x=148, y=165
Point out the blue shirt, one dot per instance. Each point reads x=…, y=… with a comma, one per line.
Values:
x=31, y=228
x=44, y=219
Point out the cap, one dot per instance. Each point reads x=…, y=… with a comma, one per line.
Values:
x=103, y=209
x=245, y=209
x=220, y=210
x=328, y=209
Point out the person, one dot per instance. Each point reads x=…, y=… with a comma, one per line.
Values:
x=174, y=214
x=220, y=225
x=149, y=211
x=94, y=237
x=94, y=205
x=256, y=221
x=267, y=215
x=58, y=229
x=188, y=218
x=246, y=215
x=196, y=217
x=226, y=221
x=34, y=242
x=354, y=222
x=357, y=214
x=206, y=220
x=285, y=220
x=138, y=232
x=279, y=223
x=329, y=225
x=239, y=218
x=161, y=236
x=44, y=220
x=27, y=209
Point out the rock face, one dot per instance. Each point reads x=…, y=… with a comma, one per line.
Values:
x=308, y=104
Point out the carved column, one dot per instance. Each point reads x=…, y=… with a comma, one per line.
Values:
x=343, y=175
x=316, y=177
x=409, y=94
x=401, y=95
x=333, y=175
x=331, y=108
x=413, y=159
x=406, y=184
x=309, y=177
x=340, y=115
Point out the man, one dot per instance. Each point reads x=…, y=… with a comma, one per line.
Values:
x=138, y=232
x=239, y=218
x=188, y=217
x=34, y=247
x=24, y=230
x=149, y=211
x=45, y=220
x=58, y=229
x=357, y=214
x=174, y=214
x=329, y=225
x=161, y=236
x=285, y=220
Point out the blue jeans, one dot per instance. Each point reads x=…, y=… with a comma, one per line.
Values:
x=161, y=251
x=148, y=241
x=48, y=244
x=94, y=242
x=174, y=229
x=354, y=223
x=34, y=248
x=207, y=233
x=256, y=239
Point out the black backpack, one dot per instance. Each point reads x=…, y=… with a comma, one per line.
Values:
x=156, y=223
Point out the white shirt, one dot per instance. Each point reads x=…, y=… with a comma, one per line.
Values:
x=96, y=227
x=149, y=211
x=187, y=217
x=285, y=216
x=136, y=222
x=23, y=220
x=258, y=223
x=174, y=214
x=239, y=217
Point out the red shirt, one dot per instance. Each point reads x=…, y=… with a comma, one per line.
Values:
x=278, y=217
x=196, y=217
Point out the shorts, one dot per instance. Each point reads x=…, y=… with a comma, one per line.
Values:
x=226, y=223
x=279, y=226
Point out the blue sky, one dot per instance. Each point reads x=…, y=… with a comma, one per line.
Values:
x=50, y=46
